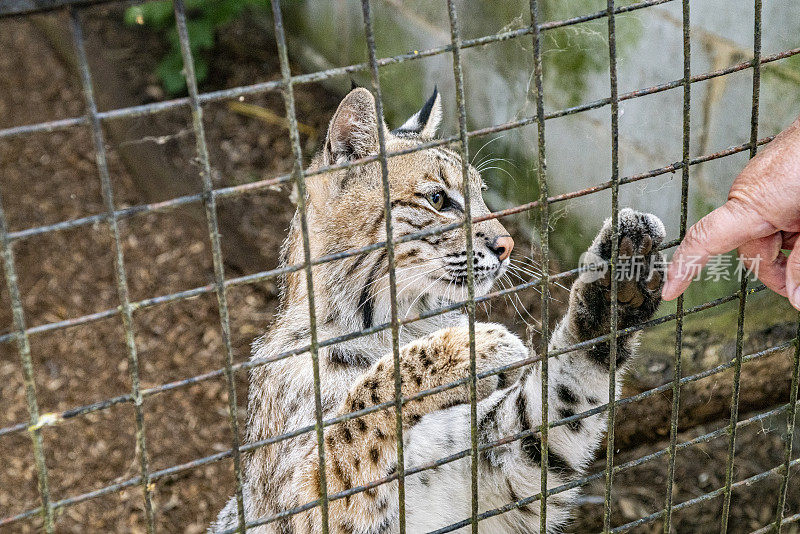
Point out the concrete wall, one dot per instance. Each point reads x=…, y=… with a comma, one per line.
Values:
x=499, y=78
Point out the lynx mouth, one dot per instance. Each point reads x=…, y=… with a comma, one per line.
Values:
x=483, y=274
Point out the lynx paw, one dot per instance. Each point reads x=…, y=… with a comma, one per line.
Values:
x=639, y=271
x=495, y=346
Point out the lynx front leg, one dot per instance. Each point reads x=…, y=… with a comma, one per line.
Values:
x=640, y=272
x=364, y=449
x=579, y=379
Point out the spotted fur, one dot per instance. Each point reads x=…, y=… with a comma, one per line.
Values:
x=345, y=211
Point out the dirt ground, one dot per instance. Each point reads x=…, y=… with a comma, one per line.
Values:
x=640, y=491
x=51, y=177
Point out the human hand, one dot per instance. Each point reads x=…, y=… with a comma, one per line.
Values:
x=761, y=217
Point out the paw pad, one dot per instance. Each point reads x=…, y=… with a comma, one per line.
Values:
x=640, y=266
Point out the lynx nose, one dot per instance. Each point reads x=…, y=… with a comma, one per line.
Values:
x=502, y=246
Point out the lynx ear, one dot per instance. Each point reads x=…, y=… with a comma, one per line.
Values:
x=425, y=122
x=353, y=131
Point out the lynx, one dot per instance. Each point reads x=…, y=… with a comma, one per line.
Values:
x=345, y=210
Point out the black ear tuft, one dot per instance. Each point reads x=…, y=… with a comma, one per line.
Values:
x=425, y=112
x=353, y=84
x=425, y=122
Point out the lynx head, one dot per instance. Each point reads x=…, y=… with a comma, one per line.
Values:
x=346, y=210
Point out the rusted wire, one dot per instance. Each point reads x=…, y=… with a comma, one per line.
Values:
x=119, y=264
x=707, y=496
x=614, y=312
x=737, y=372
x=544, y=230
x=388, y=405
x=389, y=244
x=788, y=440
x=169, y=205
x=265, y=275
x=300, y=181
x=24, y=349
x=210, y=205
x=458, y=74
x=676, y=385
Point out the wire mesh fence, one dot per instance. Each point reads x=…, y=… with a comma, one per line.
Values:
x=127, y=308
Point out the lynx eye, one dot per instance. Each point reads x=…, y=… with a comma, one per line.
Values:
x=437, y=199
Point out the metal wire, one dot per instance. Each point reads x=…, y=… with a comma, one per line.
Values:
x=228, y=94
x=544, y=230
x=455, y=39
x=252, y=187
x=676, y=387
x=628, y=465
x=119, y=262
x=599, y=409
x=614, y=316
x=252, y=446
x=24, y=349
x=56, y=418
x=387, y=215
x=195, y=100
x=726, y=503
x=265, y=275
x=216, y=247
x=300, y=181
x=705, y=497
x=790, y=422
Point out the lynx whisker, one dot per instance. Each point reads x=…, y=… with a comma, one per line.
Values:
x=487, y=143
x=483, y=164
x=501, y=170
x=423, y=292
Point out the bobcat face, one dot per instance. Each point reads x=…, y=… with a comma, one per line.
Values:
x=427, y=192
x=346, y=211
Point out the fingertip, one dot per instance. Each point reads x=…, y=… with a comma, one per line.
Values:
x=774, y=277
x=795, y=299
x=793, y=292
x=672, y=290
x=676, y=281
x=666, y=292
x=675, y=284
x=793, y=277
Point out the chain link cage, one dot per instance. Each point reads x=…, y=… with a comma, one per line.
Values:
x=94, y=119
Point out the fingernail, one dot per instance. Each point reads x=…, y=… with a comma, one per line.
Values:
x=794, y=297
x=666, y=291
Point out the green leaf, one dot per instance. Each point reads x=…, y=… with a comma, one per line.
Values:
x=133, y=16
x=204, y=17
x=170, y=71
x=201, y=35
x=200, y=69
x=158, y=14
x=224, y=11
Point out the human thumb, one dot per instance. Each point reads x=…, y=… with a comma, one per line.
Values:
x=793, y=277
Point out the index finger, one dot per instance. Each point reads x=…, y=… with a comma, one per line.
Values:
x=722, y=230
